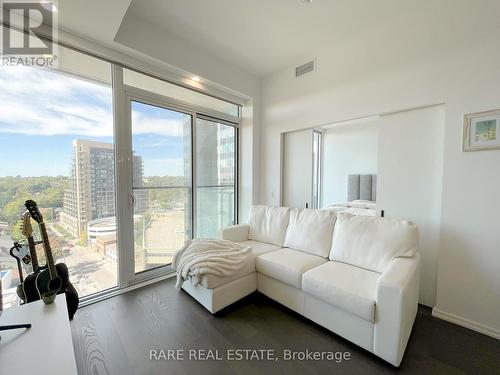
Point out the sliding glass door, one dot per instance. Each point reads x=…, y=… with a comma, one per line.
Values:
x=161, y=182
x=167, y=143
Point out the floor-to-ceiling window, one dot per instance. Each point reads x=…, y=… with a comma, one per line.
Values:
x=58, y=146
x=188, y=161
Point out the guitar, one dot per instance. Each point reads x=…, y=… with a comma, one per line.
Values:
x=27, y=231
x=47, y=283
x=32, y=258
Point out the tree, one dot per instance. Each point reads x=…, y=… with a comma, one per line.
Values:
x=13, y=210
x=48, y=192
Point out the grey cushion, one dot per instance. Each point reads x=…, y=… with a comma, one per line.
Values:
x=352, y=187
x=362, y=186
x=365, y=187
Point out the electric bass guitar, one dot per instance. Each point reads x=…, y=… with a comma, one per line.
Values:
x=52, y=280
x=27, y=231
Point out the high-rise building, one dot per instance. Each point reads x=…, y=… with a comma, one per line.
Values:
x=91, y=194
x=215, y=177
x=225, y=155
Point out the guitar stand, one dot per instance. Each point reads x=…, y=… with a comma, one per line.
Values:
x=14, y=326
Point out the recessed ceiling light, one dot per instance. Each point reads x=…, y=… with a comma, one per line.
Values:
x=196, y=79
x=307, y=1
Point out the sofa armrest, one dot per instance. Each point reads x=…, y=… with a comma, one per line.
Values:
x=235, y=233
x=396, y=308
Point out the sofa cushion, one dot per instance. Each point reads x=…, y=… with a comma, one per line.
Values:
x=287, y=265
x=347, y=287
x=259, y=248
x=310, y=231
x=268, y=224
x=372, y=242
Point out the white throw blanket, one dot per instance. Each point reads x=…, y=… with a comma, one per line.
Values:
x=201, y=257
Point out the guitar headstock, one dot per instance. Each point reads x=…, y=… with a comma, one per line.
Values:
x=34, y=211
x=26, y=227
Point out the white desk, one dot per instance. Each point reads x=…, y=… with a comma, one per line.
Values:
x=45, y=348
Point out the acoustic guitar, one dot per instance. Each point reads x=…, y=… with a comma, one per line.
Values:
x=46, y=283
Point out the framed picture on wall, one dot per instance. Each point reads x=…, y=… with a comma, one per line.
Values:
x=481, y=131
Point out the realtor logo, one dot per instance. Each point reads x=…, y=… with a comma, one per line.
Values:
x=28, y=31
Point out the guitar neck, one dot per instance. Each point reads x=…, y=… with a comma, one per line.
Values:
x=34, y=257
x=48, y=251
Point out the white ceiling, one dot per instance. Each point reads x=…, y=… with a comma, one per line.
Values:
x=265, y=36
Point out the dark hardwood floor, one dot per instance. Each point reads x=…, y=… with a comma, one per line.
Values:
x=115, y=336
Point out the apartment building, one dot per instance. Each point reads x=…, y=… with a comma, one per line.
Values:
x=91, y=194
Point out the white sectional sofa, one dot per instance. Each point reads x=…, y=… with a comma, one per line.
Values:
x=357, y=276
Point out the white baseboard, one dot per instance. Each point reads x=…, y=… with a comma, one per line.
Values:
x=481, y=328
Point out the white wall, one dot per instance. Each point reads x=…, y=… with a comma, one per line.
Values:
x=410, y=177
x=349, y=149
x=466, y=77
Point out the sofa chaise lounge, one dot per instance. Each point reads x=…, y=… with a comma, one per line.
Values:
x=357, y=276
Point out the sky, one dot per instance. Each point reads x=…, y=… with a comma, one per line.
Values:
x=41, y=112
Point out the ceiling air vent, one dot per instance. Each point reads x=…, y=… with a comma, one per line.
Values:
x=304, y=68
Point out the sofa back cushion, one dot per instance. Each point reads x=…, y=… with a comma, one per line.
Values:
x=372, y=242
x=310, y=231
x=268, y=224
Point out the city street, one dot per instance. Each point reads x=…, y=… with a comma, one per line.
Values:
x=166, y=232
x=90, y=272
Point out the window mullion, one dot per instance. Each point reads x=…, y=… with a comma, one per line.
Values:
x=123, y=171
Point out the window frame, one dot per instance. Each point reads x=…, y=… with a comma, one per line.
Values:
x=317, y=169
